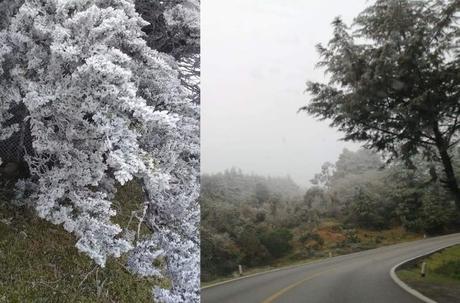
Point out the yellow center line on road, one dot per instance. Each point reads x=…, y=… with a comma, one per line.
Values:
x=278, y=294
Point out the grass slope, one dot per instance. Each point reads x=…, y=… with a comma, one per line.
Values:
x=442, y=280
x=39, y=261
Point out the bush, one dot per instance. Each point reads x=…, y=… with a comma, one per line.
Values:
x=219, y=255
x=277, y=242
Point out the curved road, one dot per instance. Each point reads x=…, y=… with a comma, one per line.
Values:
x=354, y=278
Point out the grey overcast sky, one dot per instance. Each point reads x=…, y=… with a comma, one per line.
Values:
x=256, y=57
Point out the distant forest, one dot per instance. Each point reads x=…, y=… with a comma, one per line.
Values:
x=256, y=221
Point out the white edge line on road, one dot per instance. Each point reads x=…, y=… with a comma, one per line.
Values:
x=407, y=287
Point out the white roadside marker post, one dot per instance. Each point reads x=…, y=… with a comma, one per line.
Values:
x=330, y=254
x=423, y=271
x=240, y=269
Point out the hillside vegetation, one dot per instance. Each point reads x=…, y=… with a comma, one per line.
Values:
x=357, y=203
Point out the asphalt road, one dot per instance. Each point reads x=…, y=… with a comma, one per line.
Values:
x=354, y=278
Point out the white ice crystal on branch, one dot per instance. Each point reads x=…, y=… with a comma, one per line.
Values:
x=103, y=108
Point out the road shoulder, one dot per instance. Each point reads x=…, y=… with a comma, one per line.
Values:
x=405, y=274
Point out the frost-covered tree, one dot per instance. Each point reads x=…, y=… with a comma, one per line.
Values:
x=103, y=108
x=174, y=211
x=174, y=28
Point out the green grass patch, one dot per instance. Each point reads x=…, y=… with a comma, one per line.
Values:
x=39, y=261
x=442, y=279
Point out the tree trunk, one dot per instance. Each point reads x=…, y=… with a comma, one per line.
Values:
x=451, y=180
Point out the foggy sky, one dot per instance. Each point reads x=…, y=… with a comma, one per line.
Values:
x=256, y=57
